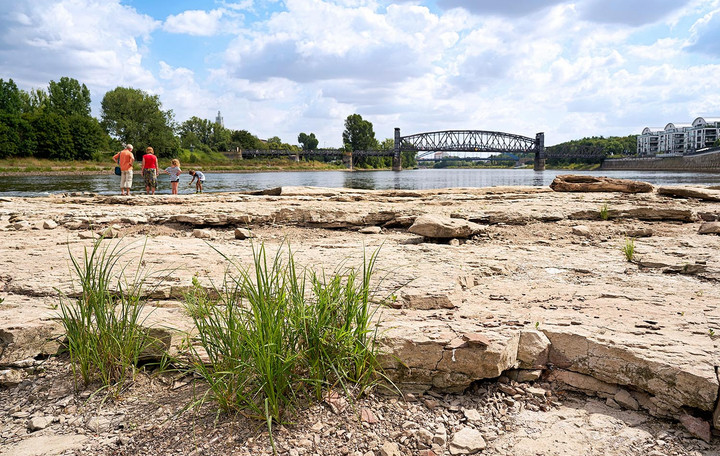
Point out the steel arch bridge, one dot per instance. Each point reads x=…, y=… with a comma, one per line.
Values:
x=472, y=141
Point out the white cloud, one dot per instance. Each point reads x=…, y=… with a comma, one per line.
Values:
x=100, y=43
x=706, y=34
x=195, y=22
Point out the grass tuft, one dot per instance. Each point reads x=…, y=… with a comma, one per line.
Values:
x=283, y=335
x=629, y=249
x=604, y=212
x=103, y=325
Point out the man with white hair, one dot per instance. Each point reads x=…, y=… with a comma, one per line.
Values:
x=125, y=159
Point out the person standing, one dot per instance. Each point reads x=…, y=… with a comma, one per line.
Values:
x=125, y=159
x=150, y=171
x=174, y=171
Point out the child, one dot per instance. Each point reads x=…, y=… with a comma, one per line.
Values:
x=174, y=171
x=200, y=180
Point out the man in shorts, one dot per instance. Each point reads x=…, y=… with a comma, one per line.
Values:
x=125, y=159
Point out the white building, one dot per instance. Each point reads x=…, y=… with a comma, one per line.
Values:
x=679, y=138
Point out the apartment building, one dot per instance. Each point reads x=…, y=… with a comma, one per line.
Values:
x=679, y=138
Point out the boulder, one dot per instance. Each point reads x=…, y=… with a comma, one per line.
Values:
x=626, y=400
x=21, y=341
x=580, y=183
x=425, y=354
x=690, y=192
x=439, y=227
x=49, y=224
x=533, y=349
x=675, y=385
x=709, y=228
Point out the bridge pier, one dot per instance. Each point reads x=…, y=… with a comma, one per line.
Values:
x=347, y=160
x=397, y=159
x=539, y=163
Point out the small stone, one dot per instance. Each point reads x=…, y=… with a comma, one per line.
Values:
x=709, y=228
x=472, y=415
x=110, y=233
x=697, y=427
x=98, y=424
x=370, y=230
x=87, y=235
x=581, y=230
x=537, y=392
x=424, y=436
x=626, y=400
x=39, y=422
x=21, y=225
x=390, y=449
x=440, y=437
x=10, y=377
x=49, y=224
x=476, y=339
x=367, y=416
x=202, y=234
x=467, y=441
x=610, y=402
x=454, y=242
x=243, y=233
x=525, y=376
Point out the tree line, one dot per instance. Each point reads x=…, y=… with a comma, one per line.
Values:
x=612, y=146
x=55, y=123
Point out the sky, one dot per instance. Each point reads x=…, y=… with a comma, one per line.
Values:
x=570, y=69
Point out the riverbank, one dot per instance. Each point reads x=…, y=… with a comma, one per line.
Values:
x=538, y=295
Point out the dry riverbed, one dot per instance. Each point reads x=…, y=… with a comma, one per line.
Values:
x=526, y=331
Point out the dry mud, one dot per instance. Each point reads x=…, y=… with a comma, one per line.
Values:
x=541, y=297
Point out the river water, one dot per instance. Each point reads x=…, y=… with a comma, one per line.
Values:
x=22, y=185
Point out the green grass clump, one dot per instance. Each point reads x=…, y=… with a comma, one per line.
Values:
x=103, y=324
x=604, y=212
x=629, y=249
x=280, y=336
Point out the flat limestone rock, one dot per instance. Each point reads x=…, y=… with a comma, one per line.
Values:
x=437, y=227
x=581, y=183
x=690, y=192
x=709, y=228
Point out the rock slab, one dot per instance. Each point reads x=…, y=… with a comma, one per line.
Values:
x=579, y=183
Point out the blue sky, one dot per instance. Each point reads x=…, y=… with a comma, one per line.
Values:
x=278, y=68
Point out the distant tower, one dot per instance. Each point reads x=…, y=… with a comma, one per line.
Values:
x=219, y=120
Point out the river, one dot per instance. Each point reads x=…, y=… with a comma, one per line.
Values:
x=23, y=185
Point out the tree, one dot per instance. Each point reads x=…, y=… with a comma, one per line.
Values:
x=53, y=137
x=358, y=134
x=274, y=143
x=87, y=136
x=34, y=101
x=68, y=97
x=10, y=102
x=133, y=116
x=195, y=131
x=308, y=142
x=245, y=140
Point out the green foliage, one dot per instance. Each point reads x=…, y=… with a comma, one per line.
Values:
x=629, y=249
x=279, y=335
x=69, y=98
x=716, y=143
x=605, y=147
x=308, y=142
x=358, y=134
x=103, y=325
x=88, y=136
x=34, y=102
x=52, y=136
x=604, y=212
x=10, y=101
x=245, y=140
x=135, y=117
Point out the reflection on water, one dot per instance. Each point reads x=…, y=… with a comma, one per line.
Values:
x=21, y=185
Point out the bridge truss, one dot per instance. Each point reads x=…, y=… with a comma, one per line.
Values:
x=468, y=141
